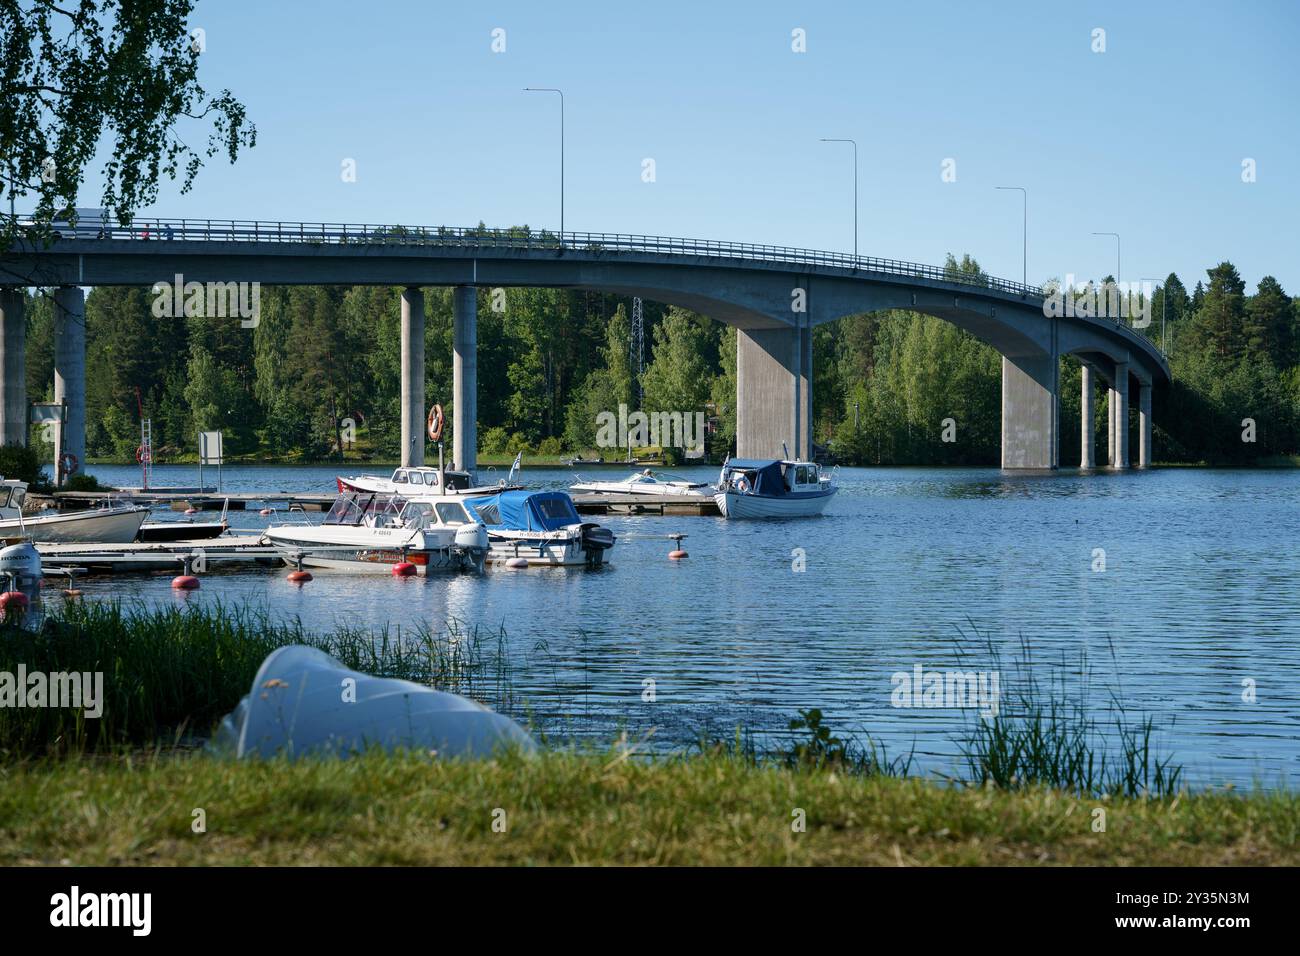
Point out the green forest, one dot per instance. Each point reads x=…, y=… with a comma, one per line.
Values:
x=318, y=377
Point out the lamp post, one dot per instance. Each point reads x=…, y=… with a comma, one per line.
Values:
x=1024, y=232
x=549, y=89
x=855, y=188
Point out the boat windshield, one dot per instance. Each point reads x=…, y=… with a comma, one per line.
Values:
x=356, y=508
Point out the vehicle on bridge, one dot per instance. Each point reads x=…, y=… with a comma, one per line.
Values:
x=759, y=488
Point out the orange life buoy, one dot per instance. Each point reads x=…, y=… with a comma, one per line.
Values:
x=435, y=423
x=69, y=463
x=140, y=455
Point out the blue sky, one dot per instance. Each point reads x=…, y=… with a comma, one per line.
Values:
x=1146, y=139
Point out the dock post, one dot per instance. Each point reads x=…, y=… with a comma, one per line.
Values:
x=70, y=368
x=464, y=427
x=13, y=368
x=412, y=377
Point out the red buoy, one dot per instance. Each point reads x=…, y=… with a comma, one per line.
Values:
x=191, y=511
x=267, y=512
x=185, y=582
x=299, y=577
x=13, y=600
x=403, y=569
x=676, y=555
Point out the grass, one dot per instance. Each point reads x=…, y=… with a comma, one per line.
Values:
x=169, y=672
x=567, y=807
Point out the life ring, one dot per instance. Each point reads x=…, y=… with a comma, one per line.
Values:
x=141, y=455
x=68, y=462
x=435, y=423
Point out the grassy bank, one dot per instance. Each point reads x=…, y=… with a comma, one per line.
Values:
x=565, y=808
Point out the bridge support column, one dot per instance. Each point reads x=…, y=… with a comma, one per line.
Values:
x=412, y=377
x=1087, y=458
x=464, y=310
x=773, y=392
x=1110, y=426
x=13, y=368
x=1144, y=425
x=70, y=368
x=1120, y=396
x=1030, y=413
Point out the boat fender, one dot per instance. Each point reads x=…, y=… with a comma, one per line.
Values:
x=435, y=423
x=403, y=569
x=13, y=601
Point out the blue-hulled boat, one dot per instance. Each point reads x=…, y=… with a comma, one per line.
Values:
x=768, y=488
x=542, y=527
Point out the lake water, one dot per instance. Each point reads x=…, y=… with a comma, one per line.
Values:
x=1200, y=593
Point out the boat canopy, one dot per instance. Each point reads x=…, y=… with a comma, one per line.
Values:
x=526, y=510
x=769, y=478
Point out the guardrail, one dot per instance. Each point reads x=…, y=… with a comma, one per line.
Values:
x=236, y=230
x=523, y=239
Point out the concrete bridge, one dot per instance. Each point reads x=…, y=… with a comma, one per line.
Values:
x=773, y=295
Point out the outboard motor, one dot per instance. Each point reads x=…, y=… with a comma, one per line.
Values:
x=595, y=542
x=472, y=541
x=20, y=563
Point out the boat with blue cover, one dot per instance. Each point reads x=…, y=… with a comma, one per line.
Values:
x=542, y=527
x=771, y=488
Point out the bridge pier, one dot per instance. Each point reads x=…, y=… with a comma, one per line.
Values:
x=1144, y=425
x=464, y=310
x=1087, y=458
x=13, y=368
x=774, y=392
x=1030, y=412
x=70, y=368
x=1120, y=403
x=1110, y=425
x=413, y=424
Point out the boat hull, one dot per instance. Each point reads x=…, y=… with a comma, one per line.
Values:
x=82, y=527
x=368, y=553
x=734, y=505
x=179, y=531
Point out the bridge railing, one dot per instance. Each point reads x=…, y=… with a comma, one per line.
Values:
x=338, y=233
x=524, y=239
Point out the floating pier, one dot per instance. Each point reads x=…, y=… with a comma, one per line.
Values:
x=161, y=556
x=615, y=504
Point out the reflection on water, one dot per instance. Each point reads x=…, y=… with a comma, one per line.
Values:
x=1200, y=592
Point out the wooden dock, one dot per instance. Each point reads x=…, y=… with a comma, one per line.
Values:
x=645, y=505
x=173, y=556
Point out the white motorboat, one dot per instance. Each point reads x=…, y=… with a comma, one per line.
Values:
x=421, y=482
x=111, y=524
x=371, y=533
x=541, y=527
x=645, y=482
x=755, y=488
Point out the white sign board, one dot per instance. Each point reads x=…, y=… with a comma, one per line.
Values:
x=43, y=412
x=209, y=448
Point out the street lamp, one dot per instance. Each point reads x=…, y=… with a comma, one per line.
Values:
x=1024, y=233
x=855, y=189
x=548, y=89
